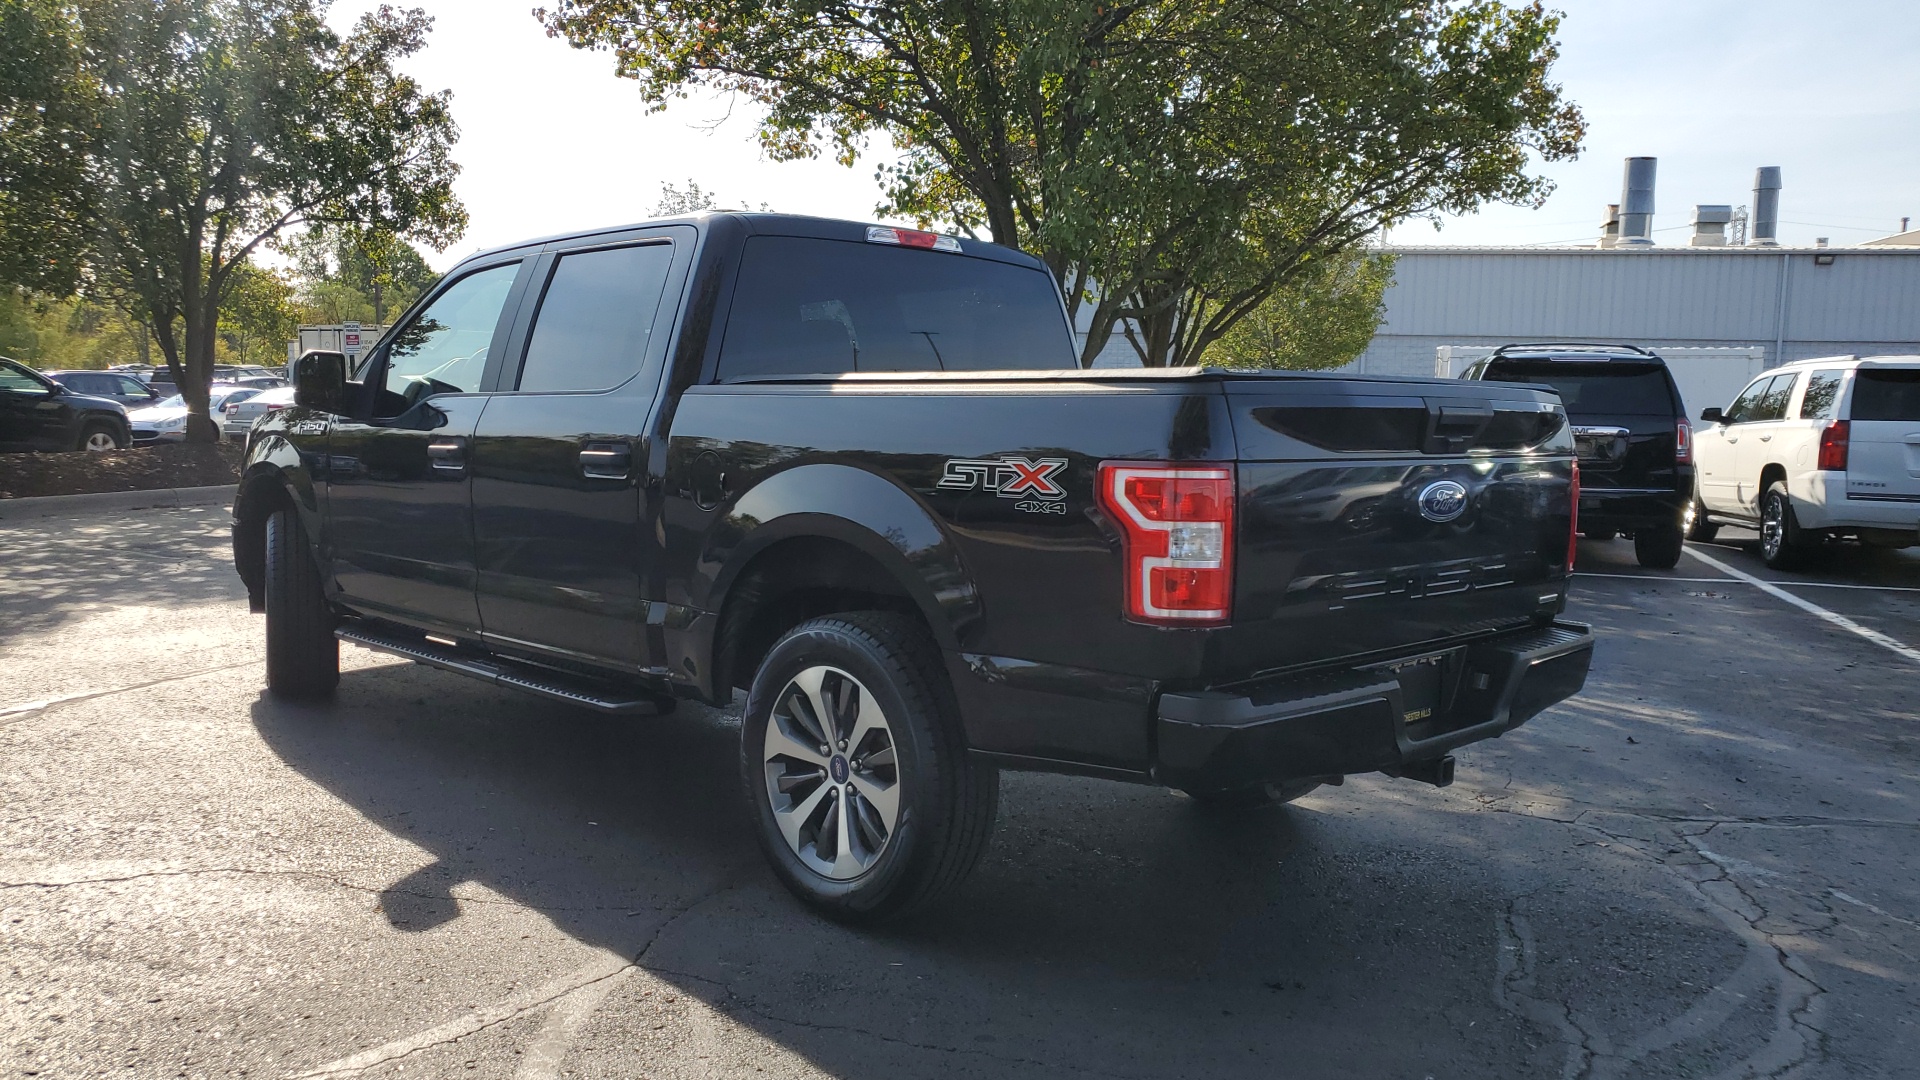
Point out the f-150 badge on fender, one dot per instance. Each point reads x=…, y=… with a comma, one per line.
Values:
x=1030, y=480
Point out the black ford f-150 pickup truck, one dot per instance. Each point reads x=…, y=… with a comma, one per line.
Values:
x=853, y=470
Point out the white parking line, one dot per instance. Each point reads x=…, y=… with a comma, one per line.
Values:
x=1809, y=606
x=1711, y=580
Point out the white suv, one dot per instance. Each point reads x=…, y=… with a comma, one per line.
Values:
x=1812, y=450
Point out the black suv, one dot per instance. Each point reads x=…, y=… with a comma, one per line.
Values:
x=37, y=413
x=1630, y=431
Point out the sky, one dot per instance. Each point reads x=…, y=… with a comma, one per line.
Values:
x=552, y=141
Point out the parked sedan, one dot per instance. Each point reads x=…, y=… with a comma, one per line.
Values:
x=113, y=385
x=238, y=414
x=167, y=421
x=37, y=413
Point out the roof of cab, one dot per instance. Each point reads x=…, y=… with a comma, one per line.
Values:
x=757, y=224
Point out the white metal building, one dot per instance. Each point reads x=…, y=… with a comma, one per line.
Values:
x=1791, y=303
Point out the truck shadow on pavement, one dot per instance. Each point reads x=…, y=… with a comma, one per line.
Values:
x=1111, y=930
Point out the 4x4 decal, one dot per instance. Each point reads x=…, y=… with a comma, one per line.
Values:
x=1028, y=479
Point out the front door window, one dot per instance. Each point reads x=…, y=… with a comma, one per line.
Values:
x=443, y=350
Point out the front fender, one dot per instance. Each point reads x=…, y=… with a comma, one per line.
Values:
x=274, y=474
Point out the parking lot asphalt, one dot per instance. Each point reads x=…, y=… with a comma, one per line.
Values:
x=1703, y=866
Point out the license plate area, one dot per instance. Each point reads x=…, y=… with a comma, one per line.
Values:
x=1428, y=685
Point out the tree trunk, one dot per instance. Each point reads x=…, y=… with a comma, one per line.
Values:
x=201, y=323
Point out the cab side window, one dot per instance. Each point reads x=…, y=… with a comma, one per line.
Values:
x=443, y=350
x=596, y=320
x=19, y=382
x=1773, y=402
x=1822, y=394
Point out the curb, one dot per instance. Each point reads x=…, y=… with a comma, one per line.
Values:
x=105, y=502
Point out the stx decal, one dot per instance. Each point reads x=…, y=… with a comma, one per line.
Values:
x=1007, y=477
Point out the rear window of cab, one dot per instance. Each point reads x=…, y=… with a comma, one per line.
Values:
x=1592, y=389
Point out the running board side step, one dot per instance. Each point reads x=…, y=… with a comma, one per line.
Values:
x=541, y=682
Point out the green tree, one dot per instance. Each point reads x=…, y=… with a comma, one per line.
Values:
x=48, y=102
x=1323, y=317
x=1174, y=162
x=260, y=315
x=360, y=275
x=221, y=124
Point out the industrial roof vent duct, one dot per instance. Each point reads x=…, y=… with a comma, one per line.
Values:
x=1636, y=203
x=1766, y=206
x=1710, y=226
x=1610, y=228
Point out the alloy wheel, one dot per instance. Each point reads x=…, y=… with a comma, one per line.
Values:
x=832, y=776
x=101, y=440
x=1773, y=527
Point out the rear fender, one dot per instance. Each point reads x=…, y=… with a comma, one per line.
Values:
x=863, y=510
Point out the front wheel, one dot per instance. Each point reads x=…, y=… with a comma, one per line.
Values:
x=1783, y=544
x=303, y=656
x=1658, y=548
x=867, y=801
x=98, y=437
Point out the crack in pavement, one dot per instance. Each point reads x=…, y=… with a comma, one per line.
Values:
x=747, y=1005
x=15, y=713
x=608, y=966
x=312, y=875
x=1797, y=1041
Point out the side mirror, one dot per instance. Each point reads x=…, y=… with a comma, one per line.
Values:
x=320, y=381
x=1712, y=416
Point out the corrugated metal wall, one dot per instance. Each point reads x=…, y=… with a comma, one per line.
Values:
x=1866, y=301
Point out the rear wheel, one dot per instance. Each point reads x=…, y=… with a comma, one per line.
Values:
x=1695, y=524
x=1658, y=547
x=1249, y=798
x=303, y=656
x=867, y=801
x=1599, y=534
x=99, y=436
x=1783, y=544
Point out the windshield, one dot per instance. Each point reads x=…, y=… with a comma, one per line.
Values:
x=1887, y=394
x=1594, y=389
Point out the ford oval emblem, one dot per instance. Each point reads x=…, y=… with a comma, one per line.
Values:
x=1443, y=501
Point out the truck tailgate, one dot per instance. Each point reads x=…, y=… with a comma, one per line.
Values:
x=1374, y=517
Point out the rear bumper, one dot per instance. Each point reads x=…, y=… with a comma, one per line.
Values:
x=1824, y=500
x=1631, y=508
x=1338, y=723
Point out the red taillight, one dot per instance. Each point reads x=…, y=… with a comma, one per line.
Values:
x=229, y=408
x=1573, y=518
x=1833, y=446
x=275, y=408
x=1177, y=525
x=1682, y=443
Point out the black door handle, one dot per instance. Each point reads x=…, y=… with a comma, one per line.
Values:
x=606, y=460
x=448, y=453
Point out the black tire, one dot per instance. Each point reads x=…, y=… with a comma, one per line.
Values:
x=1658, y=547
x=946, y=798
x=303, y=656
x=1695, y=525
x=1252, y=798
x=1784, y=545
x=1599, y=534
x=100, y=435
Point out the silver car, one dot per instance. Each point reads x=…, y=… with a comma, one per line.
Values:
x=167, y=421
x=237, y=415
